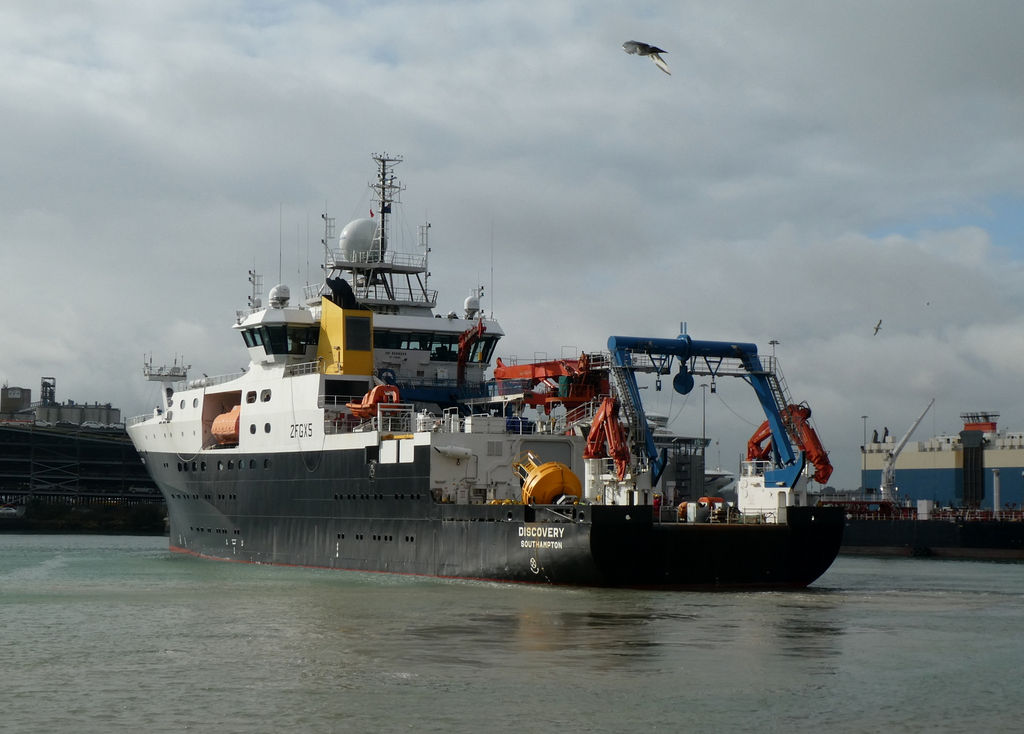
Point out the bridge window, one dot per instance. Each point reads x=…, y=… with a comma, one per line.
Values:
x=302, y=337
x=483, y=349
x=253, y=337
x=282, y=338
x=417, y=341
x=387, y=340
x=444, y=348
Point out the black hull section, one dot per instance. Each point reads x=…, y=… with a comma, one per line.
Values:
x=968, y=539
x=335, y=510
x=715, y=555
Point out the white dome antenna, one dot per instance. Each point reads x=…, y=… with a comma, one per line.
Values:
x=279, y=296
x=472, y=303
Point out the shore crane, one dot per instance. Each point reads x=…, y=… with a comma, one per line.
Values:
x=886, y=489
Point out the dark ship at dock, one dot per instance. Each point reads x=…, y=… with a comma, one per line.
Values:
x=70, y=467
x=368, y=434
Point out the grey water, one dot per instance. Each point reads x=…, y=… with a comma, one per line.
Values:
x=112, y=634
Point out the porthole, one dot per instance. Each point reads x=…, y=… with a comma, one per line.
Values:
x=252, y=428
x=250, y=397
x=195, y=402
x=265, y=396
x=266, y=463
x=182, y=405
x=266, y=428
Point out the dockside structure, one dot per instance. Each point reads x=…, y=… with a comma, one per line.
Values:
x=980, y=467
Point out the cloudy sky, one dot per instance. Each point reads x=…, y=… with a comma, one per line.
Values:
x=808, y=169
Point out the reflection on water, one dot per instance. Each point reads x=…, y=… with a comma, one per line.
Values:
x=604, y=630
x=130, y=634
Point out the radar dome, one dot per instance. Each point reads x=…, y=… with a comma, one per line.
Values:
x=357, y=237
x=471, y=306
x=279, y=296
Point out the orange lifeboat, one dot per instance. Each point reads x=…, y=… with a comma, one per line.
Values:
x=225, y=426
x=368, y=407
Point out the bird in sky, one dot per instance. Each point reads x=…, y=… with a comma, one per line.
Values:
x=878, y=326
x=651, y=52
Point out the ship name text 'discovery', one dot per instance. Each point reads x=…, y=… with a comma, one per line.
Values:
x=541, y=536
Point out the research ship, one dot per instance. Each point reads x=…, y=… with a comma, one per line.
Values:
x=370, y=433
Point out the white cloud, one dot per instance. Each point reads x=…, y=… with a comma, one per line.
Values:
x=772, y=188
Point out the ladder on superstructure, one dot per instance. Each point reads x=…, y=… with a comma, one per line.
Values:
x=633, y=410
x=780, y=392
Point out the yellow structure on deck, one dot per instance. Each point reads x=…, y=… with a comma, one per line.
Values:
x=346, y=340
x=543, y=483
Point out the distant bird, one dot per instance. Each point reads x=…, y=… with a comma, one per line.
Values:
x=878, y=326
x=651, y=52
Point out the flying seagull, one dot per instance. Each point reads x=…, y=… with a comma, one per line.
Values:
x=878, y=326
x=651, y=52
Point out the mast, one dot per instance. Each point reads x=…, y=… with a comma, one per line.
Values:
x=388, y=191
x=382, y=279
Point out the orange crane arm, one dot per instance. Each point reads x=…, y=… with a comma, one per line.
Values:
x=467, y=340
x=607, y=437
x=567, y=382
x=536, y=371
x=806, y=440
